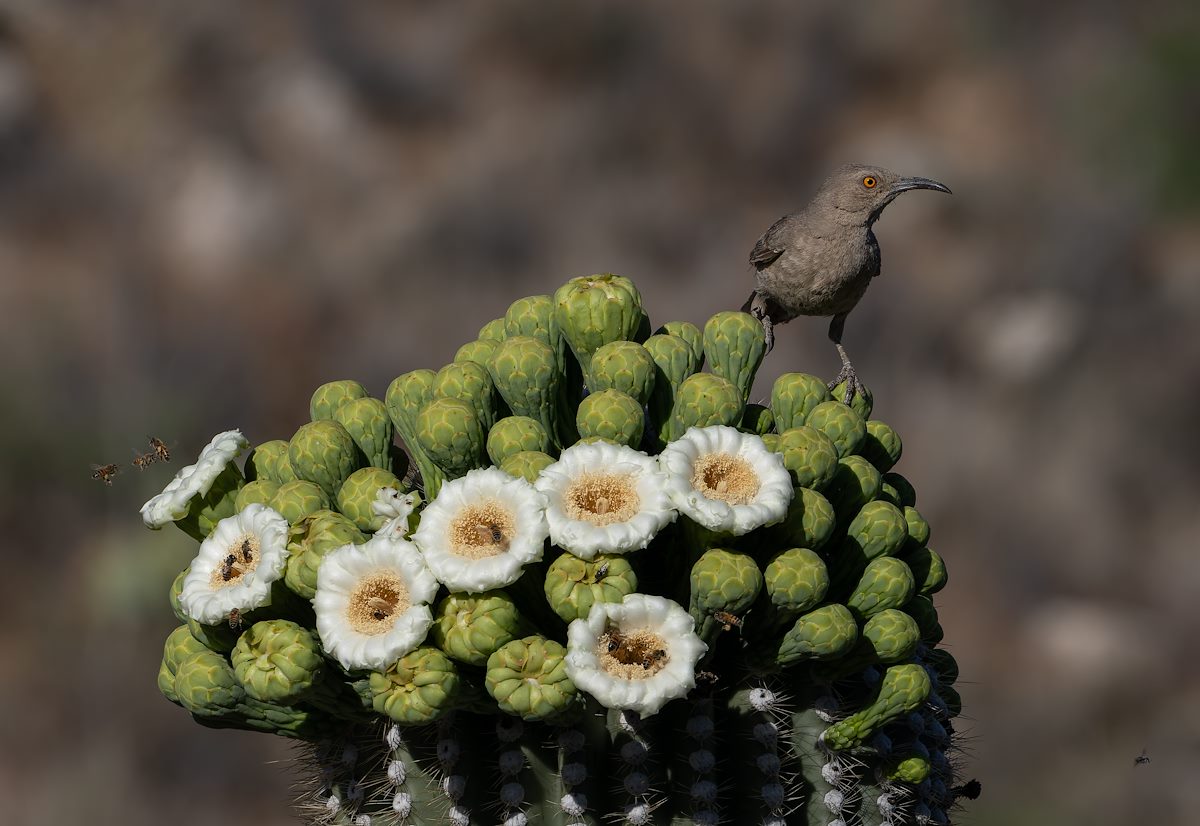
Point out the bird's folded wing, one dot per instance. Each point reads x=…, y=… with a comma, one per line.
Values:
x=769, y=247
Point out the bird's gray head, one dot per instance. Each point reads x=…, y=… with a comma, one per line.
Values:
x=856, y=193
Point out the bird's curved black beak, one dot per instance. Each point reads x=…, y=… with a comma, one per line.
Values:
x=905, y=184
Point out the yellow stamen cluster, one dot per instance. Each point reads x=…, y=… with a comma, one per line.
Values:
x=725, y=477
x=601, y=499
x=482, y=530
x=376, y=601
x=632, y=656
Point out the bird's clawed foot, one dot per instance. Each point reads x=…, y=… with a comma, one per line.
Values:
x=853, y=385
x=757, y=307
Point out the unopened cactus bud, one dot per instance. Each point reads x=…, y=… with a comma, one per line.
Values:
x=704, y=399
x=574, y=585
x=822, y=634
x=877, y=530
x=674, y=361
x=863, y=402
x=904, y=490
x=843, y=425
x=594, y=310
x=723, y=584
x=691, y=336
x=418, y=689
x=796, y=581
x=176, y=590
x=513, y=434
x=357, y=495
x=263, y=463
x=855, y=483
x=220, y=637
x=809, y=456
x=918, y=528
x=277, y=661
x=882, y=446
x=532, y=316
x=903, y=689
x=327, y=398
x=527, y=464
x=809, y=522
x=929, y=571
x=892, y=635
x=525, y=372
x=206, y=685
x=323, y=452
x=625, y=366
x=471, y=383
x=886, y=583
x=528, y=678
x=921, y=608
x=479, y=351
x=296, y=500
x=261, y=491
x=309, y=541
x=941, y=661
x=471, y=627
x=368, y=423
x=912, y=769
x=611, y=415
x=449, y=433
x=734, y=344
x=406, y=396
x=771, y=440
x=492, y=331
x=179, y=645
x=758, y=419
x=794, y=396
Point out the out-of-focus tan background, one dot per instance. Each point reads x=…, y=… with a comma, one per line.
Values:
x=207, y=209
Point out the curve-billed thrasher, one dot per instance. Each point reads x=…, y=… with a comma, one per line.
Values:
x=819, y=262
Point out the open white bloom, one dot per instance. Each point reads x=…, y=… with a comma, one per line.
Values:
x=481, y=530
x=725, y=480
x=193, y=480
x=236, y=565
x=372, y=601
x=604, y=498
x=636, y=654
x=392, y=504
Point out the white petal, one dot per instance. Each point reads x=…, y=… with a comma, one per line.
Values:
x=209, y=603
x=193, y=480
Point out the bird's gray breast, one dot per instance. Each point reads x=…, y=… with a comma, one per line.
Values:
x=822, y=274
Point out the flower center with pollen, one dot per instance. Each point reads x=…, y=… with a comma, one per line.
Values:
x=376, y=601
x=725, y=477
x=632, y=655
x=601, y=499
x=240, y=559
x=482, y=530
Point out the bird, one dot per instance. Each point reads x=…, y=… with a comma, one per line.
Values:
x=820, y=261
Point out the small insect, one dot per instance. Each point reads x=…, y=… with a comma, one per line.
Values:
x=227, y=567
x=707, y=677
x=727, y=620
x=380, y=608
x=657, y=655
x=1142, y=759
x=970, y=790
x=144, y=460
x=602, y=571
x=614, y=641
x=497, y=535
x=247, y=551
x=235, y=619
x=105, y=473
x=160, y=450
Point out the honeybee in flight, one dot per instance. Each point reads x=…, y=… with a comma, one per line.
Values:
x=160, y=450
x=144, y=460
x=727, y=620
x=235, y=619
x=105, y=473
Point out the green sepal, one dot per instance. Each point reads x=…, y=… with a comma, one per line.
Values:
x=492, y=331
x=528, y=678
x=206, y=685
x=882, y=446
x=513, y=434
x=886, y=583
x=450, y=434
x=479, y=351
x=260, y=491
x=918, y=528
x=794, y=396
x=912, y=769
x=821, y=634
x=734, y=344
x=809, y=522
x=625, y=366
x=204, y=512
x=611, y=415
x=179, y=645
x=323, y=452
x=794, y=580
x=418, y=689
x=370, y=426
x=863, y=401
x=702, y=400
x=855, y=483
x=843, y=425
x=721, y=582
x=277, y=661
x=594, y=310
x=471, y=627
x=298, y=499
x=176, y=590
x=674, y=361
x=904, y=489
x=470, y=383
x=406, y=396
x=573, y=585
x=928, y=568
x=525, y=371
x=327, y=398
x=691, y=335
x=356, y=496
x=263, y=462
x=809, y=456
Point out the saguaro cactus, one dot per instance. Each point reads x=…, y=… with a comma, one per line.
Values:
x=672, y=606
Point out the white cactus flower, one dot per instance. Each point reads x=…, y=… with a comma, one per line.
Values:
x=604, y=498
x=481, y=530
x=193, y=480
x=236, y=565
x=372, y=601
x=637, y=654
x=725, y=480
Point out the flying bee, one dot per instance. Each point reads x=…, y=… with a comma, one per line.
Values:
x=727, y=620
x=247, y=551
x=105, y=473
x=160, y=450
x=1142, y=759
x=227, y=567
x=143, y=460
x=235, y=619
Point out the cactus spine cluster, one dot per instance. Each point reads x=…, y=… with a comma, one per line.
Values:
x=820, y=696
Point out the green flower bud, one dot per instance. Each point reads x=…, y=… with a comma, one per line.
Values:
x=906, y=492
x=809, y=522
x=220, y=637
x=855, y=483
x=284, y=721
x=357, y=494
x=943, y=664
x=469, y=382
x=180, y=644
x=691, y=335
x=735, y=344
x=913, y=769
x=472, y=627
x=929, y=571
x=722, y=582
x=528, y=678
x=889, y=494
x=886, y=583
x=758, y=420
x=893, y=635
x=903, y=689
x=594, y=310
x=418, y=689
x=862, y=403
x=771, y=440
x=843, y=425
x=574, y=585
x=277, y=661
x=624, y=366
x=260, y=491
x=533, y=316
x=612, y=415
x=449, y=433
x=809, y=456
x=920, y=608
x=368, y=423
x=674, y=361
x=308, y=542
x=513, y=434
x=296, y=500
x=206, y=686
x=793, y=397
x=324, y=453
x=796, y=581
x=527, y=464
x=525, y=372
x=878, y=530
x=704, y=399
x=882, y=446
x=263, y=462
x=406, y=396
x=327, y=398
x=176, y=590
x=492, y=331
x=479, y=351
x=822, y=634
x=918, y=528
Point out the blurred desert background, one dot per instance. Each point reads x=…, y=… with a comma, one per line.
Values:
x=208, y=209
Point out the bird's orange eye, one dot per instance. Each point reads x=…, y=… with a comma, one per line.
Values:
x=869, y=182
